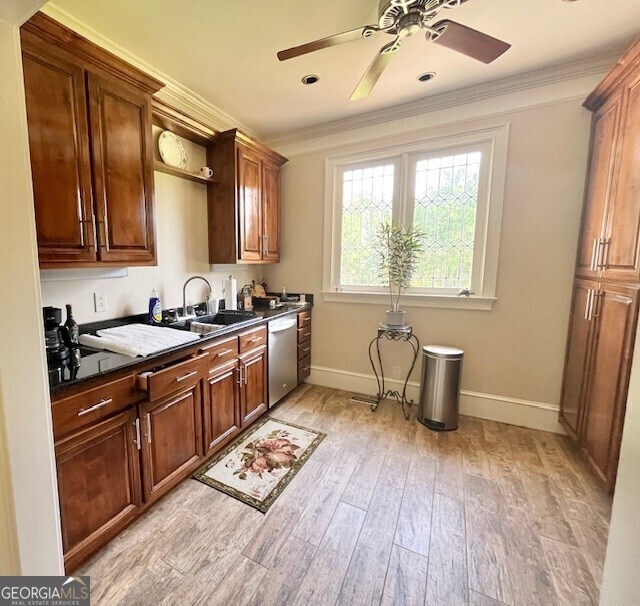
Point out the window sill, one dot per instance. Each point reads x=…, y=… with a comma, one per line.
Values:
x=437, y=301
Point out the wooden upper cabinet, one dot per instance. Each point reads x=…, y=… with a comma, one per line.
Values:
x=621, y=254
x=89, y=121
x=271, y=212
x=249, y=205
x=60, y=165
x=123, y=173
x=604, y=136
x=610, y=241
x=244, y=204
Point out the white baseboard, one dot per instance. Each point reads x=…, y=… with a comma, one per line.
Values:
x=534, y=415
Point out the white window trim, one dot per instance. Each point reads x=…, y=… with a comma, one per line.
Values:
x=485, y=295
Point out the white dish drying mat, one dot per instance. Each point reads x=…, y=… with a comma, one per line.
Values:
x=138, y=339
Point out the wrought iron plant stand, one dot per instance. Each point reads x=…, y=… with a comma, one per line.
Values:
x=392, y=333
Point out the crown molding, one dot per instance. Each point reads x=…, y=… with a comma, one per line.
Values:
x=173, y=92
x=563, y=73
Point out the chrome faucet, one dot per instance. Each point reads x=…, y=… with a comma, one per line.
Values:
x=184, y=292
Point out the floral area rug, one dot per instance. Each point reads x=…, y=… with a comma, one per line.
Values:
x=257, y=467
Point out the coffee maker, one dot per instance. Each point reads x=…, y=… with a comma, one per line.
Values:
x=56, y=337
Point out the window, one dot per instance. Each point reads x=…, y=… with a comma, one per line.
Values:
x=450, y=190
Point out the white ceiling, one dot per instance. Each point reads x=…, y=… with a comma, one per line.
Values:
x=225, y=50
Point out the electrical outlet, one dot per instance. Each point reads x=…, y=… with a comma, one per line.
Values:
x=100, y=301
x=396, y=371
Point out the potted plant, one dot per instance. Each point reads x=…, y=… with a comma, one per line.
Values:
x=399, y=249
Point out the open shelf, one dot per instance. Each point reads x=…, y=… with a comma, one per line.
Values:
x=181, y=172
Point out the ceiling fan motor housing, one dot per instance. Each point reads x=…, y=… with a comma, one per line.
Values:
x=390, y=12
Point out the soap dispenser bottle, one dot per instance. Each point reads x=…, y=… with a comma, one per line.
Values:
x=155, y=308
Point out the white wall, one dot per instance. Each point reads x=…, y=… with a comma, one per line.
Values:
x=24, y=391
x=514, y=352
x=621, y=582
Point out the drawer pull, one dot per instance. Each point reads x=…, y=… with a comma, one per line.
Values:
x=223, y=353
x=305, y=368
x=305, y=320
x=307, y=334
x=185, y=377
x=100, y=404
x=255, y=339
x=305, y=349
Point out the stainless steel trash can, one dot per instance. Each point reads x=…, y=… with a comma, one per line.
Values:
x=440, y=387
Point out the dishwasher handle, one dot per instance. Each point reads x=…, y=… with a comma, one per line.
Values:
x=282, y=324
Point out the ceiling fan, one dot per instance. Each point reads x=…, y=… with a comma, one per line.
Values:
x=404, y=18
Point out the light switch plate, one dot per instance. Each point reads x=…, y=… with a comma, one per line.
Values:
x=100, y=301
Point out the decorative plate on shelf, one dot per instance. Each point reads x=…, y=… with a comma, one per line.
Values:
x=171, y=150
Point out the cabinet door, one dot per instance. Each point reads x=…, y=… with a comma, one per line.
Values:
x=577, y=357
x=98, y=485
x=171, y=441
x=60, y=165
x=622, y=251
x=616, y=314
x=221, y=407
x=123, y=171
x=253, y=390
x=604, y=136
x=249, y=205
x=271, y=212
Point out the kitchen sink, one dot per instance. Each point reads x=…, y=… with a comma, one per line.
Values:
x=211, y=323
x=226, y=317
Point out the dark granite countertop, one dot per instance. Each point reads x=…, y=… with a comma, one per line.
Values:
x=89, y=363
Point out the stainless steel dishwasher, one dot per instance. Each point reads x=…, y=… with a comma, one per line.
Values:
x=283, y=357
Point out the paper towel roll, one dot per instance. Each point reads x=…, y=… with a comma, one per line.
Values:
x=230, y=293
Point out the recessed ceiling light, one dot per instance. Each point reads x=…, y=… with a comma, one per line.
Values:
x=310, y=79
x=426, y=76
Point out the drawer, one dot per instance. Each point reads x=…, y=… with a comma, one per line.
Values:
x=304, y=349
x=253, y=338
x=221, y=351
x=304, y=334
x=93, y=405
x=304, y=319
x=173, y=378
x=304, y=368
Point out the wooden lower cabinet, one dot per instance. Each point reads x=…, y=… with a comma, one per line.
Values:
x=171, y=440
x=253, y=385
x=615, y=315
x=123, y=444
x=98, y=485
x=577, y=357
x=304, y=344
x=597, y=368
x=221, y=406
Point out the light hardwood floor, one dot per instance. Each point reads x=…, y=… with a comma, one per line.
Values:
x=384, y=512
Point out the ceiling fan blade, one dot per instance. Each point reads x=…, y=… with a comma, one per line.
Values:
x=309, y=47
x=467, y=41
x=374, y=71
